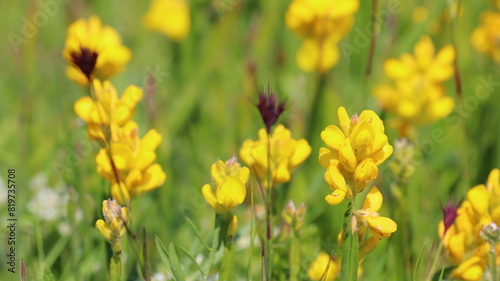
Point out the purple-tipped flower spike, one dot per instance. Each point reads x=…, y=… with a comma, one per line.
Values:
x=449, y=213
x=269, y=108
x=85, y=59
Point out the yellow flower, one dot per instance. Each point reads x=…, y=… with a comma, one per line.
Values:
x=322, y=24
x=463, y=241
x=368, y=217
x=229, y=179
x=286, y=155
x=323, y=268
x=108, y=111
x=170, y=17
x=486, y=38
x=416, y=94
x=425, y=66
x=114, y=225
x=416, y=106
x=355, y=151
x=133, y=159
x=86, y=37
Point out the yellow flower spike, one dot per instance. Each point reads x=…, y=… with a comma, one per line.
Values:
x=323, y=268
x=229, y=179
x=355, y=152
x=170, y=17
x=318, y=54
x=114, y=225
x=93, y=49
x=286, y=154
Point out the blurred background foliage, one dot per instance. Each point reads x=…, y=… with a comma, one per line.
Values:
x=202, y=104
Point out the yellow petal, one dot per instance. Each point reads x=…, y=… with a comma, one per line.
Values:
x=478, y=198
x=104, y=229
x=335, y=179
x=209, y=195
x=347, y=157
x=83, y=107
x=344, y=120
x=151, y=140
x=302, y=151
x=231, y=192
x=120, y=193
x=383, y=226
x=336, y=197
x=333, y=137
x=373, y=200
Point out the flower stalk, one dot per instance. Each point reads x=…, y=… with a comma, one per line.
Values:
x=350, y=246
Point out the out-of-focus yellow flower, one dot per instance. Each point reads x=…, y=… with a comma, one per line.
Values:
x=424, y=67
x=420, y=14
x=229, y=179
x=114, y=225
x=108, y=112
x=323, y=24
x=415, y=106
x=463, y=241
x=355, y=151
x=170, y=17
x=417, y=95
x=88, y=38
x=486, y=38
x=323, y=268
x=286, y=154
x=133, y=159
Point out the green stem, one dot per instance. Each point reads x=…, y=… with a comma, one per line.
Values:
x=350, y=247
x=115, y=268
x=268, y=205
x=227, y=265
x=315, y=110
x=437, y=256
x=492, y=256
x=294, y=257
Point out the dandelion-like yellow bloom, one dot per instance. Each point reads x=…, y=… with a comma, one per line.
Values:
x=486, y=38
x=463, y=241
x=229, y=179
x=114, y=225
x=133, y=159
x=355, y=150
x=322, y=24
x=417, y=95
x=170, y=17
x=108, y=112
x=90, y=36
x=323, y=268
x=286, y=155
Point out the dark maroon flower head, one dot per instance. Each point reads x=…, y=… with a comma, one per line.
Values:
x=85, y=59
x=449, y=213
x=269, y=108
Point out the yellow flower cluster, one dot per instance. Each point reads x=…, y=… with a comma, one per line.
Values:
x=322, y=24
x=355, y=150
x=229, y=179
x=126, y=160
x=88, y=41
x=417, y=95
x=114, y=225
x=486, y=38
x=170, y=17
x=463, y=240
x=286, y=154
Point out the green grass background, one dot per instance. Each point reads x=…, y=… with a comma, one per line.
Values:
x=203, y=108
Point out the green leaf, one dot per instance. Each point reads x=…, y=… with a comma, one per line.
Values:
x=417, y=263
x=192, y=259
x=171, y=259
